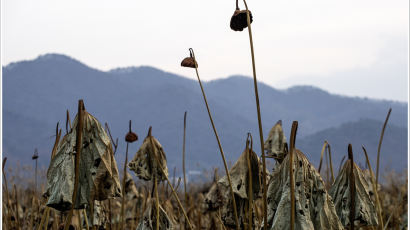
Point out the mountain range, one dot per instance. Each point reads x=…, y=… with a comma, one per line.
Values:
x=37, y=93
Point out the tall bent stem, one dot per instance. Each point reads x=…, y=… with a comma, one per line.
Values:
x=380, y=145
x=79, y=143
x=219, y=144
x=292, y=180
x=265, y=207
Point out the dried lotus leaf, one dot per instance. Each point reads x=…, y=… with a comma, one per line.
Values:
x=98, y=169
x=365, y=211
x=275, y=144
x=144, y=163
x=314, y=207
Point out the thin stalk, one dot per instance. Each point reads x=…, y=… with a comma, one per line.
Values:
x=183, y=161
x=57, y=140
x=321, y=155
x=330, y=163
x=86, y=219
x=47, y=217
x=156, y=202
x=352, y=188
x=380, y=145
x=374, y=185
x=35, y=188
x=17, y=207
x=219, y=145
x=265, y=187
x=123, y=189
x=79, y=144
x=292, y=180
x=169, y=183
x=79, y=219
x=7, y=190
x=250, y=184
x=43, y=217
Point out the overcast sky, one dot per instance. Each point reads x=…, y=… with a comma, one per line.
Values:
x=350, y=47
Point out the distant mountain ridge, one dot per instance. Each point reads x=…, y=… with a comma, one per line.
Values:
x=36, y=94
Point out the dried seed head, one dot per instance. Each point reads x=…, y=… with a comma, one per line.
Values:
x=35, y=155
x=131, y=137
x=189, y=62
x=239, y=20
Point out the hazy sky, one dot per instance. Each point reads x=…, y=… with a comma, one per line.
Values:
x=350, y=47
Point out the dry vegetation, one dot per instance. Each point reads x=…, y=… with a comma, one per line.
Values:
x=82, y=188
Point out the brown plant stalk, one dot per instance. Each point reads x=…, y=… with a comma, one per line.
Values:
x=292, y=182
x=217, y=139
x=79, y=143
x=352, y=188
x=380, y=145
x=265, y=187
x=169, y=183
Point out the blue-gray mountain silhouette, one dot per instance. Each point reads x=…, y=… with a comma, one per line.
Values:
x=36, y=94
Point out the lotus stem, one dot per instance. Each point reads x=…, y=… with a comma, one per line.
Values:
x=183, y=160
x=169, y=183
x=292, y=180
x=79, y=144
x=86, y=219
x=43, y=217
x=47, y=217
x=17, y=207
x=250, y=184
x=352, y=188
x=380, y=145
x=123, y=188
x=156, y=201
x=57, y=140
x=374, y=185
x=7, y=190
x=321, y=155
x=265, y=207
x=330, y=163
x=219, y=144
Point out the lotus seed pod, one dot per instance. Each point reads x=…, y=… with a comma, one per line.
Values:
x=189, y=62
x=131, y=137
x=239, y=20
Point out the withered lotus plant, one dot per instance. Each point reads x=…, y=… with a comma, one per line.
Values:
x=351, y=196
x=98, y=173
x=246, y=184
x=313, y=206
x=144, y=164
x=276, y=144
x=239, y=19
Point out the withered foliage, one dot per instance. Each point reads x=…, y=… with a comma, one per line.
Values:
x=365, y=210
x=314, y=206
x=98, y=168
x=144, y=163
